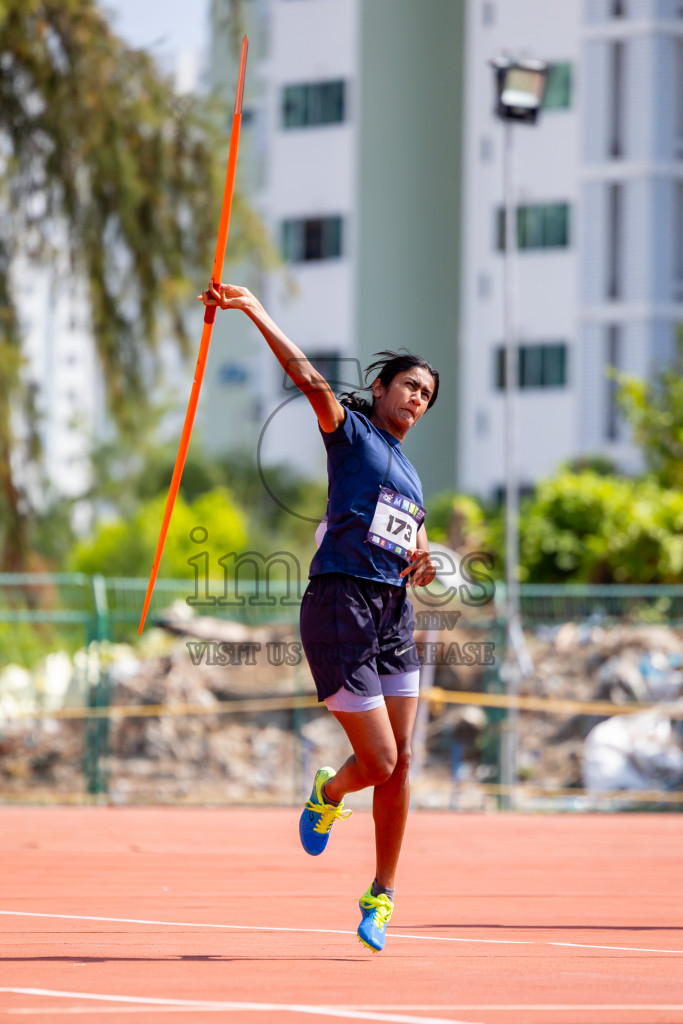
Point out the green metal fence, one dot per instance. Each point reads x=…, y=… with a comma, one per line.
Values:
x=578, y=602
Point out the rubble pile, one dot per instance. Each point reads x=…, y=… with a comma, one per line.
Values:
x=192, y=754
x=203, y=753
x=43, y=759
x=622, y=665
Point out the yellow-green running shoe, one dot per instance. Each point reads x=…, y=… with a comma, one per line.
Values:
x=376, y=911
x=318, y=817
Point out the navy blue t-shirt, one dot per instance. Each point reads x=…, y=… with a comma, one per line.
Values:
x=361, y=459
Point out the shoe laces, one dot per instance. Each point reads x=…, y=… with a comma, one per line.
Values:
x=381, y=907
x=328, y=814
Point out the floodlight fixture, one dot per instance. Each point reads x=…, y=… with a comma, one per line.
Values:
x=520, y=87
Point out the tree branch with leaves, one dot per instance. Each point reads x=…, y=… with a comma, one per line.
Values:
x=101, y=158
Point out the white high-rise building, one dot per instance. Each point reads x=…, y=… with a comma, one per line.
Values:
x=349, y=154
x=296, y=167
x=374, y=156
x=60, y=365
x=598, y=194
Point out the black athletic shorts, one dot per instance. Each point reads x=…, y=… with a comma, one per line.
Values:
x=354, y=630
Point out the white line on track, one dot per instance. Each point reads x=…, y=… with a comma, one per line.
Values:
x=542, y=1007
x=194, y=1004
x=142, y=1004
x=338, y=931
x=62, y=1011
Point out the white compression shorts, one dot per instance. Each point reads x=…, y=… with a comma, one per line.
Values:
x=401, y=684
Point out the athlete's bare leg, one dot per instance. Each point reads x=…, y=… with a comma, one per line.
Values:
x=374, y=755
x=381, y=743
x=391, y=799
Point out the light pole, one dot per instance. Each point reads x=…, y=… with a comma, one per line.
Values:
x=520, y=85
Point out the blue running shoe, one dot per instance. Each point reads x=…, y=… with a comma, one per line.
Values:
x=318, y=817
x=376, y=911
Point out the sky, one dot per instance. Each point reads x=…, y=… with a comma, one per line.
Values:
x=170, y=29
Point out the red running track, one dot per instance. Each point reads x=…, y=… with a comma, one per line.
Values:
x=183, y=915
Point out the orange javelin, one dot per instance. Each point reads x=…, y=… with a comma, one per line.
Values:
x=209, y=317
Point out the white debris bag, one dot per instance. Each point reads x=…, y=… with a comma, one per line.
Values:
x=639, y=751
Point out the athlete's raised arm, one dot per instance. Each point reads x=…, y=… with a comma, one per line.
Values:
x=294, y=362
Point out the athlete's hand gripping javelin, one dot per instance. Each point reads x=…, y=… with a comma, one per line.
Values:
x=329, y=411
x=421, y=570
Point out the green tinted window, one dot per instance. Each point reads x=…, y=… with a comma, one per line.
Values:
x=541, y=226
x=313, y=103
x=538, y=366
x=558, y=90
x=311, y=238
x=545, y=226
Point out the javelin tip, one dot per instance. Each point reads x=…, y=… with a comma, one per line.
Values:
x=240, y=79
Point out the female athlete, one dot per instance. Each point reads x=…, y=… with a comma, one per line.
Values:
x=356, y=618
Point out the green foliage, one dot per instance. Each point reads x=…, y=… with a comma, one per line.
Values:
x=599, y=464
x=654, y=410
x=29, y=643
x=589, y=528
x=51, y=534
x=284, y=509
x=125, y=547
x=459, y=521
x=587, y=525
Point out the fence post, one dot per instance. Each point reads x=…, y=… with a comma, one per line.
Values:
x=301, y=744
x=96, y=730
x=492, y=737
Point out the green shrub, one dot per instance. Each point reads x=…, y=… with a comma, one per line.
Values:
x=126, y=547
x=589, y=528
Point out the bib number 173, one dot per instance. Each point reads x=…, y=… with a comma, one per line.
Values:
x=395, y=526
x=395, y=522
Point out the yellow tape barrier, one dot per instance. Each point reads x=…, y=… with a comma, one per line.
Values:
x=435, y=696
x=601, y=708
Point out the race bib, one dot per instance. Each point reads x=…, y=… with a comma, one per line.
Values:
x=395, y=523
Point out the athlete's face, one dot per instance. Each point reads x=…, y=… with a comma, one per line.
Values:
x=399, y=405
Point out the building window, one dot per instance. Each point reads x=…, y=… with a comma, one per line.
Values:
x=499, y=493
x=484, y=285
x=538, y=366
x=558, y=90
x=678, y=241
x=233, y=374
x=312, y=238
x=541, y=226
x=314, y=103
x=614, y=233
x=612, y=360
x=481, y=423
x=329, y=364
x=616, y=113
x=679, y=96
x=618, y=9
